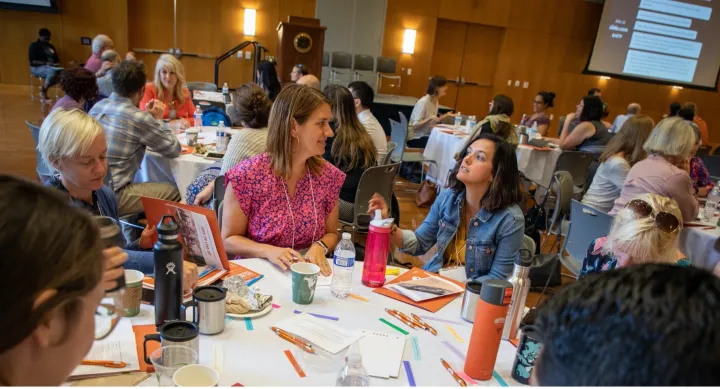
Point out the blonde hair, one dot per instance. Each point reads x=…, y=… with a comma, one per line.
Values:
x=293, y=102
x=672, y=137
x=67, y=134
x=640, y=239
x=167, y=60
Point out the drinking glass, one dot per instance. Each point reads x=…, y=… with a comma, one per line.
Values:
x=167, y=360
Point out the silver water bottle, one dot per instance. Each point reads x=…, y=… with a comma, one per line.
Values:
x=520, y=280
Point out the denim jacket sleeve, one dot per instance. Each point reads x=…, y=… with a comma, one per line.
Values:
x=424, y=238
x=510, y=235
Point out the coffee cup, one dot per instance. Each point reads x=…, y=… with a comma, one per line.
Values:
x=174, y=333
x=208, y=306
x=304, y=280
x=192, y=137
x=133, y=292
x=196, y=376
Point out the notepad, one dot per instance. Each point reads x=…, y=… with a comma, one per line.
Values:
x=119, y=346
x=382, y=353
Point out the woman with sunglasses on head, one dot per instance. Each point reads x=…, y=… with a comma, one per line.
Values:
x=645, y=230
x=476, y=223
x=541, y=103
x=351, y=149
x=54, y=271
x=285, y=201
x=666, y=170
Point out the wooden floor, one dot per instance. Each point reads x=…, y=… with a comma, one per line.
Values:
x=17, y=156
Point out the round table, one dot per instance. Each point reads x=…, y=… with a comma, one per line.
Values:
x=255, y=357
x=537, y=165
x=180, y=171
x=700, y=246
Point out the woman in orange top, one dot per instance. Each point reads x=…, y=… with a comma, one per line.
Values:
x=169, y=87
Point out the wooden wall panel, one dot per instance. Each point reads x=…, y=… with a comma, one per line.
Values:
x=91, y=18
x=304, y=8
x=488, y=12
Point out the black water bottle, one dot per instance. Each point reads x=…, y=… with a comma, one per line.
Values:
x=168, y=253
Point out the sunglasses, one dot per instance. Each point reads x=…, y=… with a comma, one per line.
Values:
x=665, y=222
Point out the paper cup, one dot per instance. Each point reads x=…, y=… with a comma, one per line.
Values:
x=304, y=280
x=196, y=376
x=133, y=292
x=192, y=137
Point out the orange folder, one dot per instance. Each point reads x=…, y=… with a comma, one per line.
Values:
x=140, y=332
x=432, y=305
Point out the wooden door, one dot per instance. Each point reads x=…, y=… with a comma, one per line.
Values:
x=480, y=57
x=447, y=56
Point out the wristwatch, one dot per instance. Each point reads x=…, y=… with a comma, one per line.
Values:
x=323, y=245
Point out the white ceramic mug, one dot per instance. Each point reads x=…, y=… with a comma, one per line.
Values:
x=196, y=375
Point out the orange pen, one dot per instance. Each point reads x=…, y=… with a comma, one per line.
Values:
x=290, y=338
x=113, y=364
x=452, y=372
x=426, y=325
x=398, y=316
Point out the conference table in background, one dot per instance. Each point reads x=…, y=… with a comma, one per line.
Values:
x=386, y=107
x=538, y=166
x=701, y=246
x=252, y=355
x=180, y=171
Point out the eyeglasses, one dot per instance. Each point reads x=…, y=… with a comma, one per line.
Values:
x=538, y=102
x=665, y=222
x=107, y=317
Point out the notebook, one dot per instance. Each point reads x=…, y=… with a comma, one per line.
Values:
x=432, y=305
x=382, y=353
x=119, y=346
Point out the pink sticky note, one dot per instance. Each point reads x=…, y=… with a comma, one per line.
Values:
x=276, y=306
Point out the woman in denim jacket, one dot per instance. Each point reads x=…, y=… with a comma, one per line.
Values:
x=476, y=222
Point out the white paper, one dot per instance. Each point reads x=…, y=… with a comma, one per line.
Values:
x=382, y=353
x=119, y=346
x=197, y=236
x=320, y=332
x=422, y=289
x=208, y=96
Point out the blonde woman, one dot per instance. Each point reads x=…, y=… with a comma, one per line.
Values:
x=645, y=230
x=169, y=87
x=666, y=170
x=285, y=201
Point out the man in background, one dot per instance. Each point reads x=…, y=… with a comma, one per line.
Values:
x=94, y=63
x=643, y=325
x=104, y=83
x=364, y=96
x=309, y=80
x=44, y=61
x=689, y=109
x=632, y=110
x=595, y=92
x=298, y=71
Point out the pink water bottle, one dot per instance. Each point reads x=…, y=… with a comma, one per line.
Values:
x=376, y=252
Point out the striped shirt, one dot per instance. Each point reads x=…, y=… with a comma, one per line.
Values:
x=129, y=131
x=245, y=144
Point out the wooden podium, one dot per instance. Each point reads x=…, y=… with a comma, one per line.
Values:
x=300, y=41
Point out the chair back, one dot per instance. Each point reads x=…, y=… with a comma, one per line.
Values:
x=326, y=59
x=377, y=179
x=716, y=151
x=712, y=164
x=576, y=163
x=562, y=183
x=385, y=65
x=528, y=244
x=561, y=124
x=363, y=62
x=398, y=135
x=390, y=149
x=218, y=193
x=43, y=170
x=219, y=214
x=586, y=225
x=704, y=150
x=341, y=60
x=202, y=86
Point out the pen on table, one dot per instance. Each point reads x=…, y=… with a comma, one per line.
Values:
x=207, y=271
x=395, y=315
x=404, y=316
x=114, y=364
x=426, y=325
x=452, y=372
x=131, y=225
x=290, y=338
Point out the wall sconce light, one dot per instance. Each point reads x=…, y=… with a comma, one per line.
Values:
x=604, y=77
x=408, y=46
x=249, y=27
x=677, y=87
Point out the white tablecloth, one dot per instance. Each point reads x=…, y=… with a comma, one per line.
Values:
x=255, y=357
x=699, y=246
x=538, y=166
x=180, y=171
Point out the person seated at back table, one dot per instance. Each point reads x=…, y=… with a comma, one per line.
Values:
x=425, y=113
x=169, y=87
x=622, y=153
x=250, y=109
x=105, y=82
x=591, y=134
x=310, y=81
x=298, y=71
x=476, y=222
x=646, y=325
x=645, y=231
x=702, y=183
x=56, y=275
x=666, y=169
x=73, y=144
x=541, y=102
x=350, y=150
x=129, y=132
x=632, y=110
x=94, y=63
x=266, y=76
x=286, y=199
x=501, y=108
x=79, y=86
x=44, y=61
x=363, y=96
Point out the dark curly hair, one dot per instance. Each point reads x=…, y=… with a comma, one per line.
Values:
x=79, y=83
x=251, y=106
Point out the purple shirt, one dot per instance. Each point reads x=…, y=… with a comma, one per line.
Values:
x=67, y=102
x=656, y=175
x=94, y=63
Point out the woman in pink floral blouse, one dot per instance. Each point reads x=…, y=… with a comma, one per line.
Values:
x=286, y=200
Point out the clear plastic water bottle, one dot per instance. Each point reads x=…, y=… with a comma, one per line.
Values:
x=353, y=373
x=458, y=120
x=225, y=89
x=221, y=141
x=711, y=205
x=198, y=117
x=343, y=263
x=470, y=123
x=522, y=121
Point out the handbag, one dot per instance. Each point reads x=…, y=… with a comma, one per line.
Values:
x=426, y=195
x=545, y=271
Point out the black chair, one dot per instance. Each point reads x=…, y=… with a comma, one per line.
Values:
x=577, y=164
x=712, y=164
x=716, y=151
x=218, y=193
x=704, y=150
x=43, y=170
